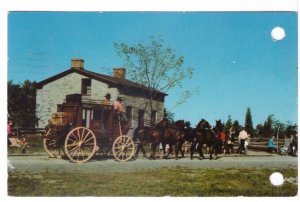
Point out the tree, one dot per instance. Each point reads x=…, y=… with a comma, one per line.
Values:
x=236, y=126
x=290, y=129
x=168, y=116
x=156, y=67
x=21, y=103
x=228, y=124
x=248, y=121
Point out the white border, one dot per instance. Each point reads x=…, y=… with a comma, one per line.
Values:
x=150, y=5
x=114, y=5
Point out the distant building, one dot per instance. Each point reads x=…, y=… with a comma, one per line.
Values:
x=52, y=92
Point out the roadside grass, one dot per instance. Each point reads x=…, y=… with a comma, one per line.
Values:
x=160, y=182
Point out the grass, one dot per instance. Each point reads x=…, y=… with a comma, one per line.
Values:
x=161, y=182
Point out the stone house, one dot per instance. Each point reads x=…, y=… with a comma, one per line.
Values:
x=52, y=92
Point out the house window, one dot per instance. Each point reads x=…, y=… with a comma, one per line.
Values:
x=86, y=86
x=141, y=118
x=153, y=116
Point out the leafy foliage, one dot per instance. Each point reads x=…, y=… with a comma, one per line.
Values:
x=22, y=103
x=155, y=66
x=248, y=121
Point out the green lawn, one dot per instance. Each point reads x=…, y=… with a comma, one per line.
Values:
x=161, y=182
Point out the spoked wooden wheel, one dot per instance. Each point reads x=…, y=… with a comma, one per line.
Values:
x=51, y=144
x=123, y=148
x=80, y=144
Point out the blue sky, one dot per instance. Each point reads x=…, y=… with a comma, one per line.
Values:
x=236, y=63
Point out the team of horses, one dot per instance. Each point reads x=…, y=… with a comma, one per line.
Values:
x=176, y=134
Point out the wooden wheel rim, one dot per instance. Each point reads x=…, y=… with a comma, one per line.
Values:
x=123, y=148
x=80, y=144
x=50, y=145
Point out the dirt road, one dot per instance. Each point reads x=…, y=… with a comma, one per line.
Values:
x=41, y=163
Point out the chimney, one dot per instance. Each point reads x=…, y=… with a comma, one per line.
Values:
x=119, y=73
x=77, y=63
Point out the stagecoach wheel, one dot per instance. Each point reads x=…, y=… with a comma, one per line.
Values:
x=51, y=144
x=123, y=148
x=80, y=144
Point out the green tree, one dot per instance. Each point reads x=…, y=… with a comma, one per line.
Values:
x=248, y=121
x=236, y=126
x=290, y=129
x=156, y=67
x=21, y=103
x=228, y=124
x=168, y=116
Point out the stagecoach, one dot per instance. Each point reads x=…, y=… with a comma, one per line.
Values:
x=81, y=127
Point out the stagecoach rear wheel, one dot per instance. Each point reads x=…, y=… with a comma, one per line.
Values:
x=80, y=144
x=51, y=144
x=123, y=148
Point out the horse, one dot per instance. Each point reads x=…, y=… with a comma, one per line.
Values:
x=164, y=133
x=141, y=137
x=203, y=134
x=218, y=129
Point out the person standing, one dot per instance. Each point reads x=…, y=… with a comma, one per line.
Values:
x=271, y=145
x=242, y=138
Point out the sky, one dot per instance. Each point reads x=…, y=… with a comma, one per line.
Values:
x=236, y=63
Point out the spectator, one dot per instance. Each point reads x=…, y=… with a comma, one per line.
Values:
x=294, y=145
x=222, y=140
x=229, y=141
x=271, y=145
x=242, y=138
x=247, y=143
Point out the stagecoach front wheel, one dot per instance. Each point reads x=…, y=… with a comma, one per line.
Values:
x=80, y=144
x=123, y=148
x=51, y=144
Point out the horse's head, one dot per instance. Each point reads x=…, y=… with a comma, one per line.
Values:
x=163, y=123
x=203, y=124
x=219, y=126
x=180, y=124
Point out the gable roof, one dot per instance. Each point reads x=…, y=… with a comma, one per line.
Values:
x=122, y=84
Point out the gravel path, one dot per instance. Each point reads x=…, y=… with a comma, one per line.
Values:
x=41, y=163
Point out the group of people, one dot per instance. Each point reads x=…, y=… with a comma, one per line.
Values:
x=227, y=141
x=118, y=107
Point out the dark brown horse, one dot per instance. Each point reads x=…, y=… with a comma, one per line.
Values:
x=218, y=129
x=164, y=133
x=203, y=134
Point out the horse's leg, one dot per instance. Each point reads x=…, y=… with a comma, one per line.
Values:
x=214, y=150
x=200, y=147
x=137, y=150
x=163, y=150
x=192, y=149
x=177, y=148
x=143, y=150
x=153, y=148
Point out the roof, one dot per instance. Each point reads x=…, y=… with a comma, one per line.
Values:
x=110, y=80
